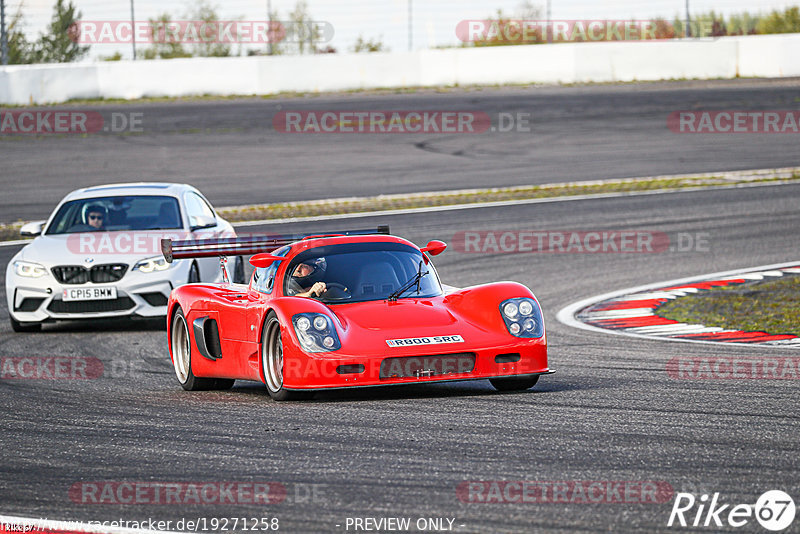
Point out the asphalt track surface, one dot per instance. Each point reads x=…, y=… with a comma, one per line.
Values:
x=611, y=413
x=232, y=152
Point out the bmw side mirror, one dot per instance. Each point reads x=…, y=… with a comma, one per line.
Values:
x=202, y=221
x=32, y=229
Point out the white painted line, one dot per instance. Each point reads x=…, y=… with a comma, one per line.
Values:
x=685, y=290
x=771, y=273
x=454, y=207
x=476, y=205
x=793, y=343
x=620, y=314
x=13, y=243
x=784, y=174
x=677, y=328
x=567, y=314
x=745, y=276
x=502, y=203
x=710, y=330
x=46, y=524
x=649, y=296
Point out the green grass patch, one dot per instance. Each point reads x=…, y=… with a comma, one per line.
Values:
x=10, y=232
x=765, y=306
x=316, y=208
x=381, y=203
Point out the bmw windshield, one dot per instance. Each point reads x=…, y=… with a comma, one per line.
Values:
x=361, y=272
x=107, y=214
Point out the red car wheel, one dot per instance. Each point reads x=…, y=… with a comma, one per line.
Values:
x=272, y=361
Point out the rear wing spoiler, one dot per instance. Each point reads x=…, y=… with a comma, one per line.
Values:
x=241, y=246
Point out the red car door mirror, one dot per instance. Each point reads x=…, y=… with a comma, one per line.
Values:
x=264, y=260
x=434, y=248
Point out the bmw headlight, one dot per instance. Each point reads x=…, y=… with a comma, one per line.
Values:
x=523, y=317
x=149, y=265
x=29, y=270
x=316, y=332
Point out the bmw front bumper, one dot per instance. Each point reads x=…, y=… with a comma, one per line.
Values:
x=36, y=300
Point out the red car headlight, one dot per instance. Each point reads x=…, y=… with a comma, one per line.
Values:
x=523, y=317
x=316, y=332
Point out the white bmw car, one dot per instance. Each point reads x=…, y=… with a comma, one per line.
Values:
x=99, y=254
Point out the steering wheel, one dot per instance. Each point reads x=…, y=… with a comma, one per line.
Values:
x=336, y=291
x=80, y=227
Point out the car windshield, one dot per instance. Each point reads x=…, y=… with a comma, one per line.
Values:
x=362, y=272
x=117, y=213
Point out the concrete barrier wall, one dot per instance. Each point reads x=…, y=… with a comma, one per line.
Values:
x=774, y=56
x=727, y=57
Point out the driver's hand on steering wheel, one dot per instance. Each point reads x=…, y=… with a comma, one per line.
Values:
x=317, y=289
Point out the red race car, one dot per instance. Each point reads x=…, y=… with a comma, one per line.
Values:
x=356, y=308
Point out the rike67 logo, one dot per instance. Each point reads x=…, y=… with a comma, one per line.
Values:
x=774, y=511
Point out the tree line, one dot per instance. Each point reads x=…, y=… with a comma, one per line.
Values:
x=59, y=43
x=708, y=24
